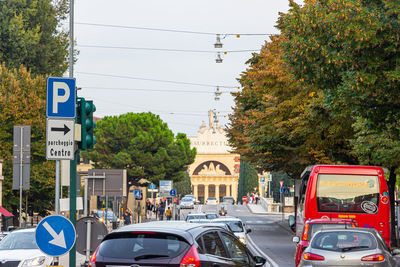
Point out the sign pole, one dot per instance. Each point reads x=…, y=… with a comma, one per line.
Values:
x=20, y=177
x=57, y=204
x=72, y=203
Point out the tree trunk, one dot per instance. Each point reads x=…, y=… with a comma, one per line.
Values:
x=391, y=187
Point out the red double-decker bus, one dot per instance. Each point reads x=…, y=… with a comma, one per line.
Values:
x=345, y=192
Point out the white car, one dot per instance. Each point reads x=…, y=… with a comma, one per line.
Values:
x=211, y=201
x=237, y=227
x=19, y=248
x=186, y=203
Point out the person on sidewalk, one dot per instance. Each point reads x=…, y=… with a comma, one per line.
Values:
x=168, y=213
x=127, y=217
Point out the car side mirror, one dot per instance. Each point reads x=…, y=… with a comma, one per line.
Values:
x=260, y=261
x=248, y=230
x=296, y=239
x=395, y=252
x=292, y=222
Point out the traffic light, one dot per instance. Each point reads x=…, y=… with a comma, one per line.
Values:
x=86, y=108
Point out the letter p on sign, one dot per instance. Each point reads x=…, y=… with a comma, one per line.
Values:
x=61, y=98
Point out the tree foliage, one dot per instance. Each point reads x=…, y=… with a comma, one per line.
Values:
x=23, y=102
x=184, y=187
x=248, y=180
x=30, y=35
x=142, y=144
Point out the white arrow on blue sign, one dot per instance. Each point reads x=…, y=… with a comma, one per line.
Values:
x=55, y=235
x=138, y=194
x=172, y=192
x=152, y=186
x=61, y=97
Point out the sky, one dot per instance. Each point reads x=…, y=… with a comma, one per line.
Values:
x=179, y=86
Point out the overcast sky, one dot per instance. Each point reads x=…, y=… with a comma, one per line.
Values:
x=184, y=101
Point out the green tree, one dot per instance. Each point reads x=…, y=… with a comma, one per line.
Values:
x=142, y=144
x=248, y=180
x=184, y=187
x=30, y=35
x=23, y=102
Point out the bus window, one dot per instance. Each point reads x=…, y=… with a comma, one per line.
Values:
x=348, y=193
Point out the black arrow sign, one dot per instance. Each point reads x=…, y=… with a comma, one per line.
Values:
x=65, y=129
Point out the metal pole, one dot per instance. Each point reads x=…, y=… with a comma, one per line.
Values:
x=269, y=189
x=72, y=204
x=20, y=177
x=57, y=204
x=85, y=204
x=71, y=38
x=88, y=235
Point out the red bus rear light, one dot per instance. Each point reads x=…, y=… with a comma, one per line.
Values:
x=305, y=233
x=375, y=257
x=92, y=261
x=191, y=259
x=313, y=257
x=381, y=224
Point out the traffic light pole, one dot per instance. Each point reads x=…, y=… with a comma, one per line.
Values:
x=72, y=203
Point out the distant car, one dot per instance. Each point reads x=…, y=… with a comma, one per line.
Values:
x=186, y=203
x=237, y=227
x=171, y=244
x=3, y=234
x=211, y=215
x=102, y=216
x=228, y=200
x=192, y=197
x=348, y=247
x=211, y=201
x=19, y=248
x=313, y=226
x=196, y=216
x=199, y=221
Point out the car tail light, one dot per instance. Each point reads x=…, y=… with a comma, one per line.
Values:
x=92, y=261
x=305, y=233
x=313, y=257
x=375, y=257
x=191, y=259
x=206, y=201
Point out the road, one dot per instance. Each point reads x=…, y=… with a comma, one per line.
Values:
x=268, y=235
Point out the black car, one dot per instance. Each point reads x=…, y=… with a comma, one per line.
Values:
x=172, y=243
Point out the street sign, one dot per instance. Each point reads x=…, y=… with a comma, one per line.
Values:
x=165, y=185
x=172, y=192
x=281, y=183
x=55, y=235
x=60, y=139
x=97, y=231
x=138, y=194
x=61, y=98
x=269, y=177
x=22, y=156
x=152, y=186
x=262, y=179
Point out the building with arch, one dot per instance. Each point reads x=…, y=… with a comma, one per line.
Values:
x=215, y=171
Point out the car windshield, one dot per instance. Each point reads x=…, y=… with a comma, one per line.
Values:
x=315, y=227
x=235, y=226
x=343, y=241
x=197, y=216
x=142, y=245
x=19, y=240
x=211, y=216
x=186, y=200
x=228, y=200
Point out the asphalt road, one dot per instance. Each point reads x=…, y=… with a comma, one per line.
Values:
x=268, y=237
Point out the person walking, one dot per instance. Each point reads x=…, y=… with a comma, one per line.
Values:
x=127, y=217
x=168, y=213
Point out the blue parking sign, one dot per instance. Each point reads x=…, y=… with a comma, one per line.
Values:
x=138, y=194
x=61, y=98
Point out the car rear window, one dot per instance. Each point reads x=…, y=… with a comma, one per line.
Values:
x=343, y=241
x=315, y=227
x=131, y=245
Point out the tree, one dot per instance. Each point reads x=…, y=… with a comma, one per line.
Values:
x=184, y=187
x=279, y=124
x=30, y=35
x=248, y=179
x=143, y=145
x=23, y=102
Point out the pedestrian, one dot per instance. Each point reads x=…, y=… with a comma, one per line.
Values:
x=168, y=213
x=155, y=210
x=257, y=198
x=148, y=208
x=127, y=217
x=161, y=212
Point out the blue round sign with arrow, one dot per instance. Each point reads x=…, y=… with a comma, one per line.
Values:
x=55, y=235
x=172, y=192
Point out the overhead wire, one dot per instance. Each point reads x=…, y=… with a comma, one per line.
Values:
x=169, y=30
x=152, y=90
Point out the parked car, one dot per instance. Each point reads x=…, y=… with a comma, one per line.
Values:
x=186, y=203
x=211, y=215
x=237, y=226
x=196, y=216
x=102, y=216
x=348, y=247
x=193, y=197
x=313, y=226
x=3, y=234
x=211, y=201
x=228, y=200
x=19, y=248
x=172, y=243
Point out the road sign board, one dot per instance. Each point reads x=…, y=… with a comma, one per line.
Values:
x=61, y=98
x=172, y=192
x=98, y=231
x=152, y=186
x=262, y=179
x=60, y=139
x=55, y=235
x=138, y=194
x=269, y=177
x=165, y=185
x=22, y=156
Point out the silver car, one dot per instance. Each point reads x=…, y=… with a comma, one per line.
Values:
x=348, y=247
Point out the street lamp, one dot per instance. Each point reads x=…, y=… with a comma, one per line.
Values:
x=218, y=59
x=218, y=43
x=217, y=94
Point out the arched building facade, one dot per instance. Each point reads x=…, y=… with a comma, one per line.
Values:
x=215, y=171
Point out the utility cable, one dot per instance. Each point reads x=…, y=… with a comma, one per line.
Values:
x=152, y=90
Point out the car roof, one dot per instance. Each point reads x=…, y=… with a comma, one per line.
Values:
x=224, y=219
x=333, y=220
x=350, y=230
x=196, y=214
x=31, y=229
